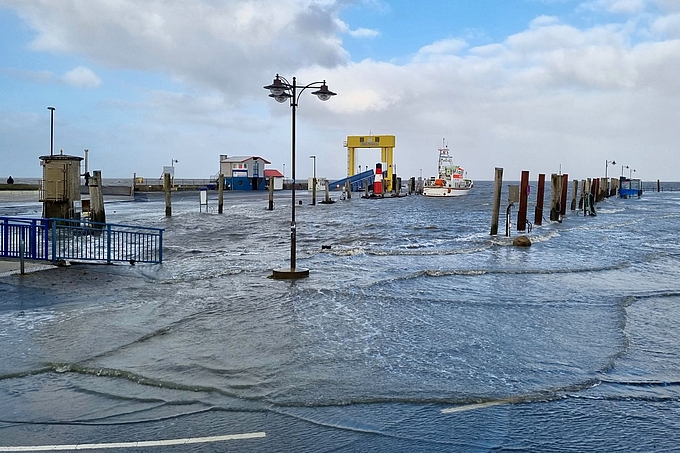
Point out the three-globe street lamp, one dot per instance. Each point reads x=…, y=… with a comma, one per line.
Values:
x=282, y=90
x=606, y=179
x=313, y=181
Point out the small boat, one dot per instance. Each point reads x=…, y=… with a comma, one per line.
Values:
x=630, y=187
x=451, y=180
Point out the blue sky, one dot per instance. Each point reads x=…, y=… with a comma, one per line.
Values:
x=520, y=84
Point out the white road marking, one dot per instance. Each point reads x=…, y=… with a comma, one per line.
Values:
x=147, y=443
x=472, y=407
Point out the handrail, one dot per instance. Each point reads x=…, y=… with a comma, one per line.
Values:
x=80, y=240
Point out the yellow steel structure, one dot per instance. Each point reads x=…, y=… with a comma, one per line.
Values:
x=384, y=142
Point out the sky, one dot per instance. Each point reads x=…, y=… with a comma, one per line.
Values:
x=546, y=86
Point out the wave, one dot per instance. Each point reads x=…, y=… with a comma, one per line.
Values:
x=475, y=272
x=371, y=251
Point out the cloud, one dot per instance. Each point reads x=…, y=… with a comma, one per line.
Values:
x=364, y=33
x=617, y=6
x=443, y=47
x=221, y=45
x=81, y=77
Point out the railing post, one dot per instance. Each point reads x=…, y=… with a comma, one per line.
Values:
x=32, y=238
x=22, y=248
x=108, y=243
x=5, y=237
x=52, y=226
x=160, y=246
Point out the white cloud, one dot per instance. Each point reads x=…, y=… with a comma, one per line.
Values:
x=364, y=33
x=443, y=47
x=667, y=26
x=214, y=44
x=81, y=77
x=617, y=6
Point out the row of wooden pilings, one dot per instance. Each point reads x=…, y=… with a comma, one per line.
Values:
x=592, y=191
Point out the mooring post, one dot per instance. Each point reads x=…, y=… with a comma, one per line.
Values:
x=564, y=188
x=97, y=213
x=538, y=211
x=168, y=197
x=595, y=188
x=523, y=200
x=554, y=197
x=220, y=193
x=134, y=184
x=574, y=192
x=271, y=193
x=348, y=190
x=328, y=192
x=658, y=185
x=496, y=210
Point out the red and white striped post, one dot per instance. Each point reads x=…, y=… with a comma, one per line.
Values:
x=377, y=182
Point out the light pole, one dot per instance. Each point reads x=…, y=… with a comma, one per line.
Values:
x=313, y=182
x=622, y=167
x=630, y=173
x=51, y=109
x=606, y=167
x=282, y=90
x=172, y=175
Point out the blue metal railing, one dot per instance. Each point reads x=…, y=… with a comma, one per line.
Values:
x=79, y=240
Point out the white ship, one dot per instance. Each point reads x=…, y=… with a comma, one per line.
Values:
x=451, y=180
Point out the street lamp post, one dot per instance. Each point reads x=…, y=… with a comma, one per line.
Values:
x=172, y=175
x=313, y=181
x=282, y=90
x=606, y=179
x=630, y=173
x=622, y=167
x=51, y=109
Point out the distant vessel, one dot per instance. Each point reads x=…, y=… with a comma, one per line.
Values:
x=450, y=181
x=630, y=187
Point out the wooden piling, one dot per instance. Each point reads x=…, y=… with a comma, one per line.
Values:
x=271, y=193
x=168, y=196
x=328, y=192
x=595, y=188
x=97, y=213
x=495, y=212
x=658, y=185
x=554, y=197
x=523, y=200
x=574, y=192
x=314, y=184
x=348, y=190
x=582, y=198
x=564, y=188
x=220, y=193
x=538, y=211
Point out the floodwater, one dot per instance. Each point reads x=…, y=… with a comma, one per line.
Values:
x=415, y=331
